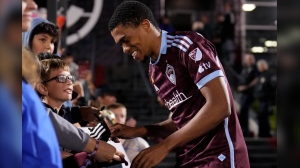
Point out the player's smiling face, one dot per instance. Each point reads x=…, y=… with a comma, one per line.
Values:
x=133, y=40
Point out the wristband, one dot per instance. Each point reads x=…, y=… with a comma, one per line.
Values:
x=95, y=149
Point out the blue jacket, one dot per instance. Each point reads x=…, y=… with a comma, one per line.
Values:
x=26, y=35
x=40, y=145
x=10, y=130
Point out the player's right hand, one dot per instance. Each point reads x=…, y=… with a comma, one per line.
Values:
x=122, y=131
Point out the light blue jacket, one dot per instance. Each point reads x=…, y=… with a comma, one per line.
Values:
x=26, y=35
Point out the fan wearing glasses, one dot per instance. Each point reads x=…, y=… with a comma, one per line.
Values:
x=57, y=83
x=55, y=88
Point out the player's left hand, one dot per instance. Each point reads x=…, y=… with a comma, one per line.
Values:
x=150, y=157
x=87, y=113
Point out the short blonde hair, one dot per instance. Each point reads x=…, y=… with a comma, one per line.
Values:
x=48, y=65
x=30, y=67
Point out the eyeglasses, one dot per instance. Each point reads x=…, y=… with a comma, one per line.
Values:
x=62, y=79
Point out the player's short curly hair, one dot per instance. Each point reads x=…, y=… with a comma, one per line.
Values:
x=131, y=13
x=45, y=28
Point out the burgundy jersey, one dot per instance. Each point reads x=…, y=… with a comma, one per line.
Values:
x=188, y=61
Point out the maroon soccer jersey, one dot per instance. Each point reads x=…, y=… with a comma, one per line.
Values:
x=187, y=61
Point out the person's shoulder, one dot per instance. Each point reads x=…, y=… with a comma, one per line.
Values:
x=30, y=98
x=27, y=91
x=189, y=38
x=188, y=34
x=181, y=41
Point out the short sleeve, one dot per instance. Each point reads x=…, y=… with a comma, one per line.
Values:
x=201, y=61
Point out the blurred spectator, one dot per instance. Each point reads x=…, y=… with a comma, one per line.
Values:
x=131, y=121
x=217, y=36
x=103, y=96
x=198, y=27
x=79, y=99
x=206, y=27
x=265, y=93
x=229, y=22
x=165, y=24
x=246, y=87
x=10, y=90
x=132, y=146
x=30, y=67
x=228, y=35
x=106, y=95
x=68, y=57
x=10, y=104
x=28, y=7
x=12, y=28
x=42, y=37
x=86, y=80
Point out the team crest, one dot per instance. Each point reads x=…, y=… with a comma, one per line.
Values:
x=196, y=54
x=170, y=72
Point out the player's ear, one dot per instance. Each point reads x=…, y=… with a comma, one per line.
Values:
x=146, y=25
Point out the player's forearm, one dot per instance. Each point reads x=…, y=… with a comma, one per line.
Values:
x=204, y=121
x=162, y=129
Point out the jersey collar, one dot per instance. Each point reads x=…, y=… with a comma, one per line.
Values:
x=163, y=47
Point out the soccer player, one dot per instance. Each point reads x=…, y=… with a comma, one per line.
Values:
x=186, y=73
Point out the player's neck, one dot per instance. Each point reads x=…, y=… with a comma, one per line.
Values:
x=156, y=44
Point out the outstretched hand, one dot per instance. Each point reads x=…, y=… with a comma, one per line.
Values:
x=108, y=153
x=87, y=113
x=122, y=131
x=150, y=157
x=120, y=157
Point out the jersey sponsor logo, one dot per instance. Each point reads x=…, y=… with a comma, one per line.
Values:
x=178, y=98
x=156, y=88
x=196, y=54
x=203, y=67
x=170, y=72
